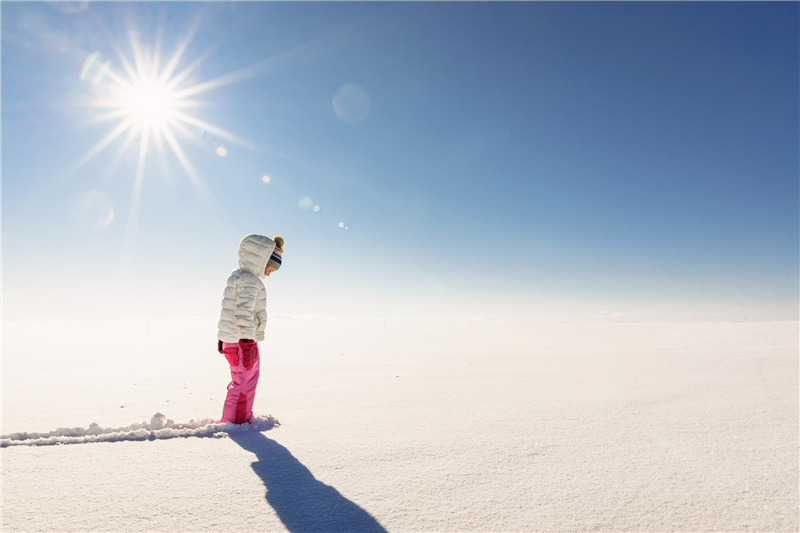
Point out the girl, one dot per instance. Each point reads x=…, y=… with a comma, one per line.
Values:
x=243, y=319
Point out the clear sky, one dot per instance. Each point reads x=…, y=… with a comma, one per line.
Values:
x=551, y=161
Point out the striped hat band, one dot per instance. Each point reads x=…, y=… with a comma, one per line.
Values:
x=276, y=259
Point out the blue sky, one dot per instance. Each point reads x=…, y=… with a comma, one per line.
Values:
x=551, y=161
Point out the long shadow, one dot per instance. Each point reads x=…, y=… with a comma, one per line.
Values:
x=303, y=503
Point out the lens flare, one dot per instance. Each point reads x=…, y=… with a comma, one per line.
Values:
x=305, y=203
x=352, y=104
x=95, y=69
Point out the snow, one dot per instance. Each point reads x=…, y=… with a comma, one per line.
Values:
x=403, y=425
x=158, y=428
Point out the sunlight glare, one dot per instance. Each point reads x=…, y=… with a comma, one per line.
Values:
x=152, y=104
x=148, y=100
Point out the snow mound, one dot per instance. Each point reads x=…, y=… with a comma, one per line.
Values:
x=159, y=428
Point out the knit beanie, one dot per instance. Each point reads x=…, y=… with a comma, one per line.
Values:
x=275, y=259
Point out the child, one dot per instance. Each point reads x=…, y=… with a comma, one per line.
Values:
x=243, y=319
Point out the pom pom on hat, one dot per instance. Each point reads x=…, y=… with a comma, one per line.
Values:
x=276, y=257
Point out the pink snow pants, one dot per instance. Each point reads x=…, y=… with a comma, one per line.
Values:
x=238, y=406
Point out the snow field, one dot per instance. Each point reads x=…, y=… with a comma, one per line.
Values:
x=429, y=426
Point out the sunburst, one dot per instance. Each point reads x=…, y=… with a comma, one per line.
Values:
x=150, y=104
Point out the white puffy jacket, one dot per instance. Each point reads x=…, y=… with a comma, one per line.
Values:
x=244, y=302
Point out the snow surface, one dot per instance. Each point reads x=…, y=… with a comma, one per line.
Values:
x=403, y=426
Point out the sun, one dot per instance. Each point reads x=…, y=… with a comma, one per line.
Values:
x=144, y=100
x=149, y=100
x=151, y=104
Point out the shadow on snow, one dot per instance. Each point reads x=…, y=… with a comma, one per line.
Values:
x=303, y=503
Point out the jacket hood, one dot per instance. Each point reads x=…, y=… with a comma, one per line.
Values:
x=254, y=252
